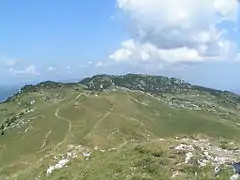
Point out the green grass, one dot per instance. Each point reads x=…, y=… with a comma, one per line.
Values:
x=147, y=160
x=107, y=120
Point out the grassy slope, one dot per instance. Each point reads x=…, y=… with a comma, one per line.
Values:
x=107, y=120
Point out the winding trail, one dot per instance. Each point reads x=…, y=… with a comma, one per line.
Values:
x=65, y=138
x=64, y=119
x=67, y=133
x=69, y=128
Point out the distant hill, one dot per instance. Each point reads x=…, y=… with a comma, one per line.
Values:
x=156, y=85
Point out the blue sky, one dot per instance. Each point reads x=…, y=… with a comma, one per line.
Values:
x=61, y=40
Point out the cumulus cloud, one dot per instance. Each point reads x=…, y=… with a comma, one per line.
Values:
x=173, y=31
x=29, y=70
x=134, y=52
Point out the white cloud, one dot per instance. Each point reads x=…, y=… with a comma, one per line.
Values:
x=51, y=69
x=9, y=62
x=173, y=31
x=133, y=52
x=99, y=64
x=69, y=69
x=237, y=58
x=30, y=70
x=82, y=66
x=227, y=8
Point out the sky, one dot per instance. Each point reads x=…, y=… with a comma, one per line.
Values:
x=198, y=41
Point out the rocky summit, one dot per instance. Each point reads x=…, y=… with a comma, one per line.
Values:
x=133, y=127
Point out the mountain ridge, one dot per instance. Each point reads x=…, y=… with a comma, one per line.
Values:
x=108, y=80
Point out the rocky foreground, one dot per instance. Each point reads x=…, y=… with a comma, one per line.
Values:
x=188, y=155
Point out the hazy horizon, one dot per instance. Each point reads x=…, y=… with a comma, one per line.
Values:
x=52, y=40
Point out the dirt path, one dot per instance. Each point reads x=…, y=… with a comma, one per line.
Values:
x=64, y=119
x=26, y=132
x=69, y=128
x=96, y=125
x=77, y=97
x=65, y=138
x=132, y=119
x=61, y=142
x=137, y=101
x=45, y=139
x=99, y=122
x=122, y=145
x=29, y=127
